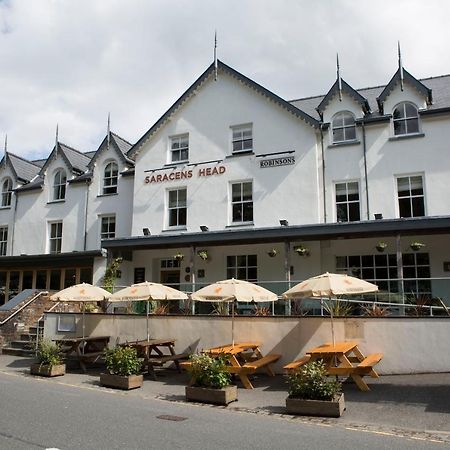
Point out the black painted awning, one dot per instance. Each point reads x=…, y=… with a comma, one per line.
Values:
x=315, y=232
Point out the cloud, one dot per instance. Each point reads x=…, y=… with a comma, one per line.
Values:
x=72, y=62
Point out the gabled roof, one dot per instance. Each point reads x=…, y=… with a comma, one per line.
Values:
x=408, y=78
x=24, y=171
x=362, y=101
x=76, y=161
x=209, y=72
x=37, y=183
x=116, y=142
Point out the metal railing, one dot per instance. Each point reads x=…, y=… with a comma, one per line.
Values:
x=23, y=306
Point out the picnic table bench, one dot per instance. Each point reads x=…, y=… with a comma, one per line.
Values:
x=345, y=359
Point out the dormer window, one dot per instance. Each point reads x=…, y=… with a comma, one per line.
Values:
x=59, y=185
x=343, y=127
x=6, y=192
x=405, y=119
x=110, y=177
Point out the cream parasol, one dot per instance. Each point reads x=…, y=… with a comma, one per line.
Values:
x=231, y=290
x=328, y=285
x=147, y=291
x=82, y=293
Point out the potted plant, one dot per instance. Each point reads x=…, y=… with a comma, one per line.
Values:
x=312, y=393
x=210, y=380
x=50, y=360
x=416, y=246
x=203, y=254
x=381, y=246
x=301, y=250
x=272, y=253
x=123, y=367
x=178, y=256
x=91, y=308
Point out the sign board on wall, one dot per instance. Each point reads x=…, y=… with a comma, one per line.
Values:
x=185, y=174
x=276, y=162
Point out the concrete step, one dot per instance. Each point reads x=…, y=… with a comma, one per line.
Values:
x=17, y=351
x=27, y=337
x=20, y=344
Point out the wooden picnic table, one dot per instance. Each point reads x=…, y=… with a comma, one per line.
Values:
x=154, y=355
x=244, y=359
x=343, y=358
x=87, y=350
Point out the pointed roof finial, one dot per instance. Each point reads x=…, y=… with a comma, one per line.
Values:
x=6, y=143
x=108, y=135
x=338, y=74
x=56, y=138
x=400, y=65
x=215, y=55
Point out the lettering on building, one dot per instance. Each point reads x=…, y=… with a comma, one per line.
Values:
x=275, y=162
x=184, y=174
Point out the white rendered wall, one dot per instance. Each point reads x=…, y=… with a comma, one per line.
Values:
x=405, y=342
x=7, y=212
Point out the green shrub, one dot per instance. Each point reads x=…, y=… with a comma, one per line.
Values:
x=310, y=382
x=123, y=361
x=49, y=353
x=208, y=371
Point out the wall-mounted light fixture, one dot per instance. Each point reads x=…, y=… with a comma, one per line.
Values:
x=204, y=228
x=284, y=223
x=378, y=216
x=146, y=231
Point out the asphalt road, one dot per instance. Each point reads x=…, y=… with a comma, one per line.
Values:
x=39, y=414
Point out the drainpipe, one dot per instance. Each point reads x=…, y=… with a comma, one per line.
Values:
x=323, y=177
x=365, y=169
x=86, y=202
x=16, y=198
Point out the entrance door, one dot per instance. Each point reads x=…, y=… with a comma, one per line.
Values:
x=170, y=278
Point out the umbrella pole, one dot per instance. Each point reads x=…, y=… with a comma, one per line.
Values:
x=148, y=328
x=82, y=326
x=232, y=323
x=332, y=323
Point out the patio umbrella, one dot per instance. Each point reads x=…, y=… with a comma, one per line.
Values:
x=231, y=290
x=82, y=293
x=149, y=292
x=327, y=285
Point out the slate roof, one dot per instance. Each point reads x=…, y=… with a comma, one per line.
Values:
x=439, y=85
x=78, y=161
x=123, y=145
x=35, y=184
x=119, y=143
x=25, y=170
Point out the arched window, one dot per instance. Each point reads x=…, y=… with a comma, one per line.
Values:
x=110, y=177
x=344, y=128
x=59, y=185
x=406, y=119
x=6, y=192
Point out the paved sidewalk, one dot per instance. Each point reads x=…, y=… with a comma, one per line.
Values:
x=417, y=406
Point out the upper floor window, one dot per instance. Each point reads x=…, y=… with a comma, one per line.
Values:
x=411, y=199
x=406, y=119
x=343, y=127
x=242, y=138
x=6, y=192
x=242, y=202
x=55, y=239
x=177, y=207
x=179, y=148
x=3, y=240
x=59, y=185
x=110, y=178
x=108, y=227
x=347, y=202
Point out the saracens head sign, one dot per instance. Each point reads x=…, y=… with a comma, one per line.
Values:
x=184, y=174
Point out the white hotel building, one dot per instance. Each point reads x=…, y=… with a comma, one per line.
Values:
x=244, y=184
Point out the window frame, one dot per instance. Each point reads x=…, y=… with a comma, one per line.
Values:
x=178, y=208
x=405, y=119
x=59, y=190
x=242, y=128
x=232, y=270
x=55, y=239
x=347, y=202
x=106, y=234
x=3, y=240
x=411, y=197
x=343, y=127
x=242, y=202
x=7, y=193
x=172, y=140
x=110, y=187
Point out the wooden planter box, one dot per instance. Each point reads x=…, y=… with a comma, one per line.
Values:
x=222, y=396
x=121, y=382
x=322, y=408
x=48, y=371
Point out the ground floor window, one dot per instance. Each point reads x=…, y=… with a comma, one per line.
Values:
x=3, y=241
x=242, y=267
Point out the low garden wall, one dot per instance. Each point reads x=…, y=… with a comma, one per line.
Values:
x=409, y=344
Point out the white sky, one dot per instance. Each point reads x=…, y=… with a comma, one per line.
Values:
x=72, y=61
